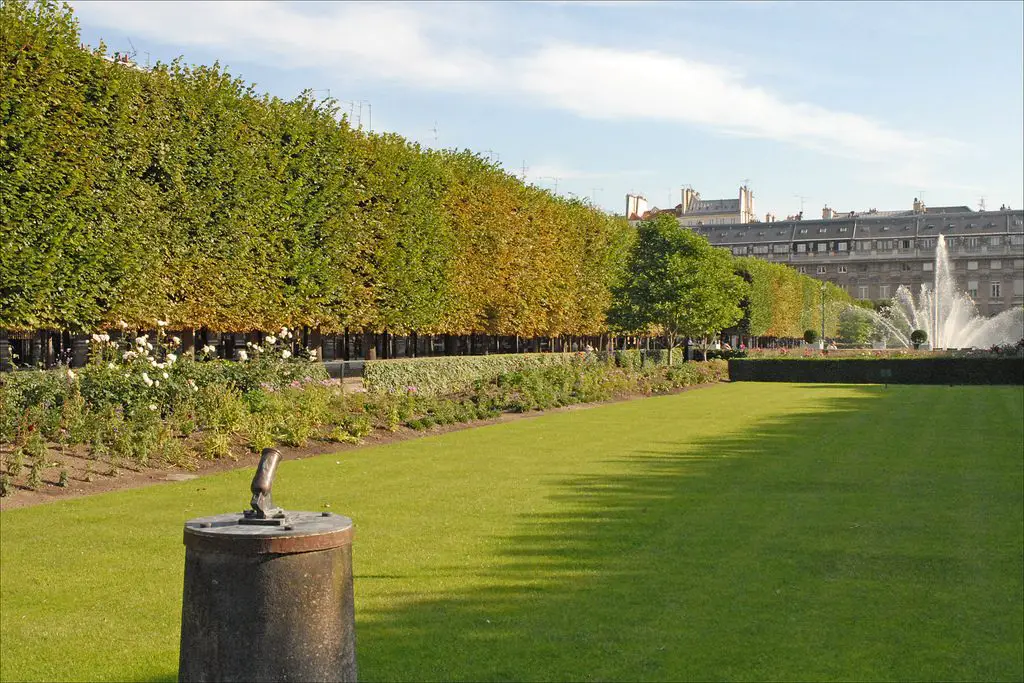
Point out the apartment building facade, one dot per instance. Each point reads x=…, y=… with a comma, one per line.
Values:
x=871, y=254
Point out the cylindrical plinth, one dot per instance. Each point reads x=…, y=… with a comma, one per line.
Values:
x=268, y=603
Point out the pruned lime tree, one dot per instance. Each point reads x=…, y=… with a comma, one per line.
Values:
x=678, y=283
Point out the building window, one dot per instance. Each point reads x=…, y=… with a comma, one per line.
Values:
x=864, y=245
x=760, y=248
x=996, y=265
x=927, y=243
x=997, y=290
x=883, y=291
x=995, y=241
x=905, y=267
x=801, y=248
x=841, y=246
x=739, y=251
x=780, y=248
x=802, y=269
x=821, y=246
x=972, y=289
x=1018, y=287
x=905, y=244
x=862, y=292
x=842, y=269
x=1016, y=240
x=928, y=265
x=885, y=244
x=972, y=242
x=972, y=265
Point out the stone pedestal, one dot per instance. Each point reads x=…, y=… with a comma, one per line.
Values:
x=268, y=603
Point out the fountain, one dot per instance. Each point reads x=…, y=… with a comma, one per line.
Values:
x=949, y=317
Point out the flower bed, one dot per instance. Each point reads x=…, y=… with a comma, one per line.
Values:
x=140, y=404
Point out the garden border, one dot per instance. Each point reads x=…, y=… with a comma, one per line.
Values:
x=952, y=371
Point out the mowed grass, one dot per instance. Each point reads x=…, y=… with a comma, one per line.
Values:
x=743, y=532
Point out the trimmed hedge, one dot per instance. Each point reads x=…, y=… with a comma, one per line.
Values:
x=439, y=376
x=880, y=371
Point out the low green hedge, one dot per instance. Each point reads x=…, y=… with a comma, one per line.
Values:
x=443, y=375
x=935, y=370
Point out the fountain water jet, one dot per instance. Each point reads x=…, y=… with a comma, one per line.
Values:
x=949, y=317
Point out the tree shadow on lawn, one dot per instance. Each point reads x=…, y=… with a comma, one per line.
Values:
x=778, y=553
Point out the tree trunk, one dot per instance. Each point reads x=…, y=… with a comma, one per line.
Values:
x=369, y=346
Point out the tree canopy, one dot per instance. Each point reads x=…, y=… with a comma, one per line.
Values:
x=678, y=283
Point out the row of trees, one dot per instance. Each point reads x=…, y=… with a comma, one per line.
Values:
x=678, y=283
x=180, y=193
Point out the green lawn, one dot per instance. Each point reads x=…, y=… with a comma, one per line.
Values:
x=747, y=531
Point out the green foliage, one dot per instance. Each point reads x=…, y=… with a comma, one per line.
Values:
x=782, y=303
x=909, y=368
x=810, y=336
x=679, y=283
x=856, y=325
x=918, y=337
x=447, y=375
x=179, y=191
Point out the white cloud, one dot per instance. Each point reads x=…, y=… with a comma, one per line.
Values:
x=615, y=84
x=374, y=40
x=428, y=46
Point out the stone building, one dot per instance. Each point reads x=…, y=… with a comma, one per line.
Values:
x=870, y=254
x=695, y=211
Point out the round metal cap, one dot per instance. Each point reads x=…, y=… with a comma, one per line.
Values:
x=299, y=532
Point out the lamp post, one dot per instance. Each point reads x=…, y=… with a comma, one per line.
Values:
x=823, y=315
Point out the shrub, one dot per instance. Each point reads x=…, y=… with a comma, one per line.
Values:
x=357, y=426
x=439, y=376
x=810, y=336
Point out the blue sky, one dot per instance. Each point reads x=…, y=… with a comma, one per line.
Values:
x=854, y=105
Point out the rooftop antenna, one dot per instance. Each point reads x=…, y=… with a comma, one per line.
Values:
x=594, y=191
x=491, y=153
x=981, y=204
x=522, y=177
x=134, y=51
x=548, y=177
x=802, y=199
x=434, y=129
